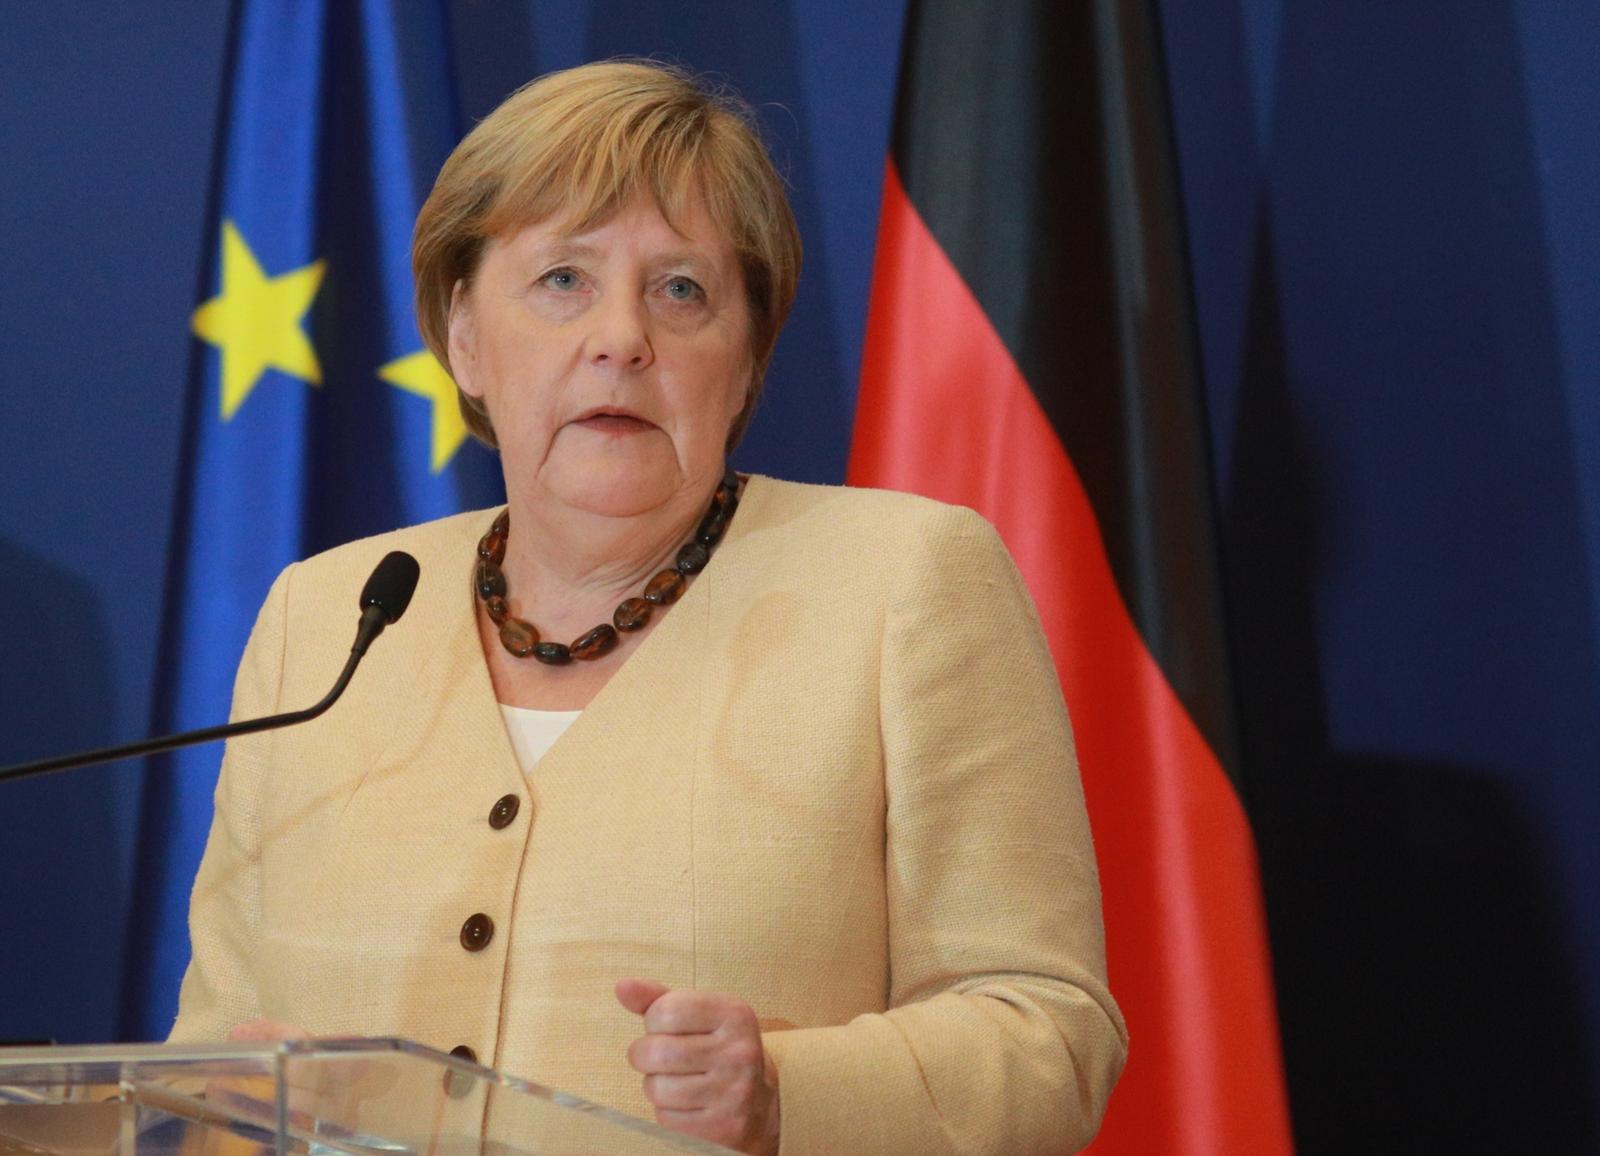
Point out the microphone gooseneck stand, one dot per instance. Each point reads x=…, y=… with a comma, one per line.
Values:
x=383, y=600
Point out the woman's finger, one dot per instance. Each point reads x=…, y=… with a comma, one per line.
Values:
x=638, y=994
x=680, y=1093
x=685, y=1012
x=676, y=1055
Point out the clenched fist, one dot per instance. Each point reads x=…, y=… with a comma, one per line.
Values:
x=704, y=1066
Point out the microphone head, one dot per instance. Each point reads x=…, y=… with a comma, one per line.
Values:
x=391, y=585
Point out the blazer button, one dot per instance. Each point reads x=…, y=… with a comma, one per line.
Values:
x=458, y=1084
x=476, y=932
x=504, y=811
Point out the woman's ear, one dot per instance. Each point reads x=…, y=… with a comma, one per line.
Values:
x=463, y=341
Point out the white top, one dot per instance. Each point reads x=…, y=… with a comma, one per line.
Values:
x=533, y=732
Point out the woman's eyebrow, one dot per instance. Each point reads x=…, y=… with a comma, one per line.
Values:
x=562, y=249
x=685, y=258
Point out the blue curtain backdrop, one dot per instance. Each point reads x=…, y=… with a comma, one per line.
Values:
x=1394, y=223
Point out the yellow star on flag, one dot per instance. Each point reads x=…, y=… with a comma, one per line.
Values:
x=421, y=374
x=255, y=321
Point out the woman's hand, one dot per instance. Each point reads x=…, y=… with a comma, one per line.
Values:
x=255, y=1097
x=704, y=1066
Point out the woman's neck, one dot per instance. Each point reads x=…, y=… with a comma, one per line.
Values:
x=566, y=569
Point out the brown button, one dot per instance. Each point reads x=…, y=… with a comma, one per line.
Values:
x=458, y=1084
x=476, y=932
x=504, y=811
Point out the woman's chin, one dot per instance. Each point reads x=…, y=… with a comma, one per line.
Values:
x=615, y=486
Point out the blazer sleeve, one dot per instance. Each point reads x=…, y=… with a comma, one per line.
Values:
x=219, y=988
x=1001, y=1035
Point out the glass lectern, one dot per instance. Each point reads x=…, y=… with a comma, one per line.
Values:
x=315, y=1097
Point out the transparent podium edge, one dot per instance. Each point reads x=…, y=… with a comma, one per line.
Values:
x=134, y=1092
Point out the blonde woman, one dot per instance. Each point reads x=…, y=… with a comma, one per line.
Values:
x=744, y=805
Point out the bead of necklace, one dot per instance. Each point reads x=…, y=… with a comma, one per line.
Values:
x=521, y=638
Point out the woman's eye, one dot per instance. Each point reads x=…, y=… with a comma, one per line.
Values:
x=561, y=279
x=682, y=289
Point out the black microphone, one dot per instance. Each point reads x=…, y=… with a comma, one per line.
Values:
x=383, y=600
x=385, y=597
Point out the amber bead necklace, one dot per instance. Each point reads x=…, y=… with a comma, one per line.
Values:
x=518, y=635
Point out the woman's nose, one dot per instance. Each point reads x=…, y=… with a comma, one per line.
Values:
x=621, y=332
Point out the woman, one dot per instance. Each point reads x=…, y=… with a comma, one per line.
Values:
x=745, y=804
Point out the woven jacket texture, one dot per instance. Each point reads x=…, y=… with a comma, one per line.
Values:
x=837, y=779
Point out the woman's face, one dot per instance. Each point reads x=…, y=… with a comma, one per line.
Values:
x=612, y=362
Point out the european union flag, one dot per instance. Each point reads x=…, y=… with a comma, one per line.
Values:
x=315, y=414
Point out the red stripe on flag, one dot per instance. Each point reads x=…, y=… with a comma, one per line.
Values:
x=944, y=411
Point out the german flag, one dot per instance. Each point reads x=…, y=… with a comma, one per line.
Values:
x=1030, y=354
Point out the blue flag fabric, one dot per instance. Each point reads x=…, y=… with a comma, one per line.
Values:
x=315, y=415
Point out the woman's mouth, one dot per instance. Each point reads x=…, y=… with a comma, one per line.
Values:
x=613, y=422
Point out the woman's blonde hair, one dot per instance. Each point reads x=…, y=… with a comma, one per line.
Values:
x=580, y=145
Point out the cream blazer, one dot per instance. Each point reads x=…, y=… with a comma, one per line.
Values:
x=836, y=779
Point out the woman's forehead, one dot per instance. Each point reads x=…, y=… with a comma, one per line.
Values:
x=689, y=231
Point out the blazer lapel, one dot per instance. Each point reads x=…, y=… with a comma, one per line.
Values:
x=448, y=719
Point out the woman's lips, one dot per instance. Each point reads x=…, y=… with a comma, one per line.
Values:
x=615, y=424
